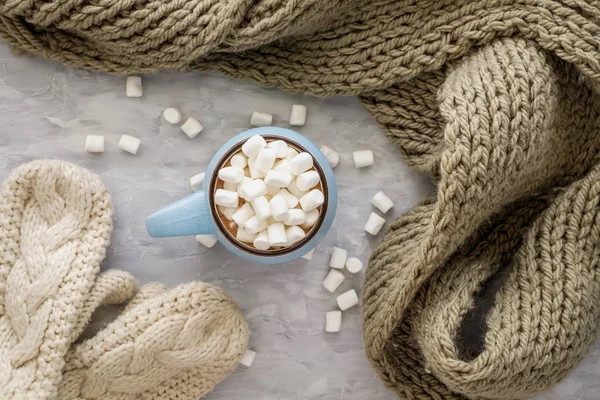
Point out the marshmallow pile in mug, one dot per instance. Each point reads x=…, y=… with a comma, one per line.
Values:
x=271, y=193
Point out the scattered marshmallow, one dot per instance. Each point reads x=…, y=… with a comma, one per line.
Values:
x=192, y=127
x=231, y=174
x=294, y=190
x=279, y=208
x=309, y=255
x=282, y=166
x=333, y=280
x=231, y=186
x=374, y=224
x=273, y=190
x=280, y=147
x=295, y=217
x=307, y=180
x=255, y=173
x=312, y=200
x=347, y=300
x=248, y=358
x=244, y=181
x=277, y=235
x=331, y=155
x=129, y=144
x=294, y=234
x=311, y=219
x=251, y=190
x=363, y=158
x=302, y=162
x=338, y=258
x=278, y=178
x=243, y=214
x=94, y=144
x=207, y=240
x=261, y=119
x=196, y=181
x=291, y=153
x=333, y=321
x=226, y=198
x=239, y=161
x=261, y=242
x=298, y=116
x=291, y=200
x=382, y=202
x=255, y=224
x=172, y=115
x=253, y=146
x=245, y=236
x=265, y=159
x=354, y=265
x=227, y=212
x=133, y=86
x=261, y=207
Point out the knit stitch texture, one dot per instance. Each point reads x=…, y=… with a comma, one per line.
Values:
x=488, y=290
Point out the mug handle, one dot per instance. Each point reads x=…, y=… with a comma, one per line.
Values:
x=188, y=216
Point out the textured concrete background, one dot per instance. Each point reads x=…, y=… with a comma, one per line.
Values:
x=46, y=110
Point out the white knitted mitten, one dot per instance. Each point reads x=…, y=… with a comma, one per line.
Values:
x=55, y=225
x=165, y=345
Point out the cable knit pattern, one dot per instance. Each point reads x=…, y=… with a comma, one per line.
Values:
x=166, y=345
x=55, y=225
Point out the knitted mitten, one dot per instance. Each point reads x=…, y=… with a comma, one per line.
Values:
x=175, y=344
x=55, y=224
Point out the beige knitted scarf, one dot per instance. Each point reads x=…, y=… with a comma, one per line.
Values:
x=490, y=289
x=55, y=225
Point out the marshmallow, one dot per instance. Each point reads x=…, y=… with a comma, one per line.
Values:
x=312, y=200
x=133, y=86
x=311, y=219
x=309, y=255
x=374, y=224
x=280, y=147
x=331, y=155
x=196, y=181
x=291, y=153
x=226, y=198
x=294, y=234
x=333, y=321
x=382, y=202
x=239, y=161
x=94, y=144
x=227, y=212
x=277, y=235
x=231, y=186
x=255, y=224
x=192, y=127
x=295, y=217
x=273, y=190
x=243, y=214
x=262, y=241
x=265, y=160
x=245, y=236
x=251, y=190
x=307, y=180
x=338, y=258
x=354, y=265
x=363, y=158
x=207, y=240
x=261, y=119
x=244, y=181
x=347, y=300
x=294, y=190
x=277, y=178
x=282, y=166
x=255, y=173
x=248, y=358
x=279, y=208
x=270, y=220
x=231, y=174
x=302, y=162
x=130, y=144
x=261, y=207
x=253, y=146
x=172, y=115
x=298, y=116
x=290, y=199
x=333, y=280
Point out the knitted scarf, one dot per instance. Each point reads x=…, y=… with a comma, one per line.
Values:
x=490, y=289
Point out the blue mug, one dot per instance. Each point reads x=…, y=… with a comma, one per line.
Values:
x=197, y=214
